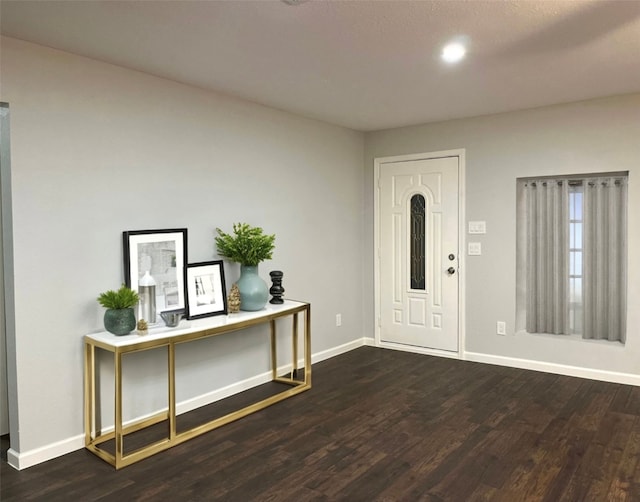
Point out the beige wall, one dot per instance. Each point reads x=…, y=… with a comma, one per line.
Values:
x=98, y=149
x=593, y=136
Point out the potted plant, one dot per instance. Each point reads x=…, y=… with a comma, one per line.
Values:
x=248, y=246
x=120, y=318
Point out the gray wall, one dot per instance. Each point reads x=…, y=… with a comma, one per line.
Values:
x=98, y=149
x=593, y=136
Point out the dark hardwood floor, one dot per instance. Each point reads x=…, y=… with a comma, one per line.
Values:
x=381, y=425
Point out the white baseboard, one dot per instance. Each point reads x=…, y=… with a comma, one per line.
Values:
x=218, y=394
x=30, y=458
x=38, y=455
x=559, y=369
x=336, y=351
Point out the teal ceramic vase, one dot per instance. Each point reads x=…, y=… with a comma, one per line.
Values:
x=120, y=321
x=253, y=290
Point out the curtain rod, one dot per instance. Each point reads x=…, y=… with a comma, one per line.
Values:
x=573, y=183
x=578, y=177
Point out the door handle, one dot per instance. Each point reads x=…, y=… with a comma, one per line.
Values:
x=451, y=270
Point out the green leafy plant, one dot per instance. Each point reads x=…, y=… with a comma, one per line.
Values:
x=248, y=246
x=124, y=298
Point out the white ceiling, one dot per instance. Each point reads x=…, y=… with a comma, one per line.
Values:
x=365, y=64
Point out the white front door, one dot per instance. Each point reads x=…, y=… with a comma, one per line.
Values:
x=418, y=252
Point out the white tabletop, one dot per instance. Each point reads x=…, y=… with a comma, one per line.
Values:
x=190, y=326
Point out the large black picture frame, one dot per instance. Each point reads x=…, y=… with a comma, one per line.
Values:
x=164, y=254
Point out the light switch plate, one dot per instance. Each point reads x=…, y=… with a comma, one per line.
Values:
x=477, y=227
x=475, y=249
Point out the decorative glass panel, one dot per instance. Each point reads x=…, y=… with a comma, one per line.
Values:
x=417, y=242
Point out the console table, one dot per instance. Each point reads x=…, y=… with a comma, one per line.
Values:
x=168, y=338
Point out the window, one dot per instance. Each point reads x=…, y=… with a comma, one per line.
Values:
x=575, y=257
x=572, y=255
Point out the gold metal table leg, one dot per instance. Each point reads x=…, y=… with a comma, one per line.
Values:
x=119, y=437
x=89, y=391
x=274, y=359
x=307, y=346
x=294, y=348
x=171, y=352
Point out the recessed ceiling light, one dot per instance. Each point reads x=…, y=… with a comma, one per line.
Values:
x=452, y=53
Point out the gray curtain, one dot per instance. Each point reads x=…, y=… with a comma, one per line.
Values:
x=547, y=292
x=605, y=258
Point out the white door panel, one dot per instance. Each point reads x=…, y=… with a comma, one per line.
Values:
x=418, y=297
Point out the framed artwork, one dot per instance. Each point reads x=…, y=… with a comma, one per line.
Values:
x=163, y=254
x=206, y=290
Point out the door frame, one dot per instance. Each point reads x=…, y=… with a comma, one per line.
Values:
x=462, y=245
x=7, y=285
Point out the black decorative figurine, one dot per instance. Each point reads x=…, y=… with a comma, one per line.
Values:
x=276, y=290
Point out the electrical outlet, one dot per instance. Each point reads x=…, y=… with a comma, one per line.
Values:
x=501, y=328
x=338, y=319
